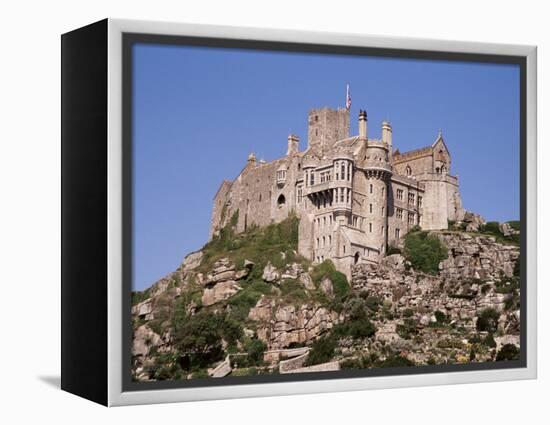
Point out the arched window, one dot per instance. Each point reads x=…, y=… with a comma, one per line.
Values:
x=356, y=258
x=281, y=200
x=408, y=170
x=443, y=169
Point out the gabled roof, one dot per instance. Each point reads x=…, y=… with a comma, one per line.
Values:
x=355, y=237
x=425, y=151
x=440, y=138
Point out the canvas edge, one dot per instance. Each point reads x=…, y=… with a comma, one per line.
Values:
x=116, y=395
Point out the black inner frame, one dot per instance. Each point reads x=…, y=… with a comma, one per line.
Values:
x=130, y=39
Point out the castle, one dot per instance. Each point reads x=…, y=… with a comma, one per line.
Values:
x=354, y=196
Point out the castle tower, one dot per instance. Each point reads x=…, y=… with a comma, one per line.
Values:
x=363, y=124
x=387, y=137
x=326, y=126
x=293, y=144
x=378, y=172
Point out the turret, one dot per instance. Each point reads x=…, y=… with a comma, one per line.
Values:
x=293, y=144
x=252, y=158
x=363, y=124
x=387, y=137
x=386, y=133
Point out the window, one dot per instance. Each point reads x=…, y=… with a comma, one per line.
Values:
x=382, y=230
x=411, y=198
x=411, y=218
x=370, y=208
x=329, y=240
x=370, y=188
x=324, y=241
x=343, y=171
x=312, y=179
x=420, y=202
x=348, y=192
x=408, y=171
x=260, y=197
x=397, y=233
x=341, y=195
x=324, y=221
x=370, y=227
x=399, y=213
x=299, y=195
x=399, y=194
x=349, y=172
x=354, y=221
x=281, y=200
x=317, y=242
x=382, y=191
x=382, y=212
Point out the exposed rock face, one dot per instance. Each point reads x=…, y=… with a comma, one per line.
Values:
x=326, y=287
x=479, y=257
x=429, y=319
x=270, y=273
x=456, y=292
x=507, y=230
x=473, y=221
x=143, y=310
x=192, y=261
x=284, y=325
x=144, y=339
x=219, y=292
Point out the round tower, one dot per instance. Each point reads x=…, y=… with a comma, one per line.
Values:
x=378, y=172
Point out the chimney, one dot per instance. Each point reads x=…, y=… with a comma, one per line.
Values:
x=252, y=158
x=387, y=133
x=363, y=124
x=293, y=144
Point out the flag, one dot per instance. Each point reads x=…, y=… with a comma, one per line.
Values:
x=348, y=97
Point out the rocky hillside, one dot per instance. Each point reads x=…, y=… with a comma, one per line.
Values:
x=248, y=304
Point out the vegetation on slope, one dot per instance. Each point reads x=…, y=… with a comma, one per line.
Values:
x=425, y=251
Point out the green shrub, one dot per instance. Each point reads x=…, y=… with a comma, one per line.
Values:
x=489, y=341
x=255, y=349
x=515, y=224
x=440, y=317
x=487, y=320
x=491, y=227
x=200, y=336
x=395, y=361
x=139, y=296
x=359, y=328
x=408, y=312
x=322, y=350
x=293, y=291
x=373, y=303
x=392, y=249
x=508, y=352
x=406, y=330
x=424, y=251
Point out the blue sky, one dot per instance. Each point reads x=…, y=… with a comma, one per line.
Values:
x=198, y=112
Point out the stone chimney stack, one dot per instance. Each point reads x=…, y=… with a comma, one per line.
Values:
x=387, y=136
x=293, y=144
x=386, y=133
x=363, y=124
x=252, y=158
